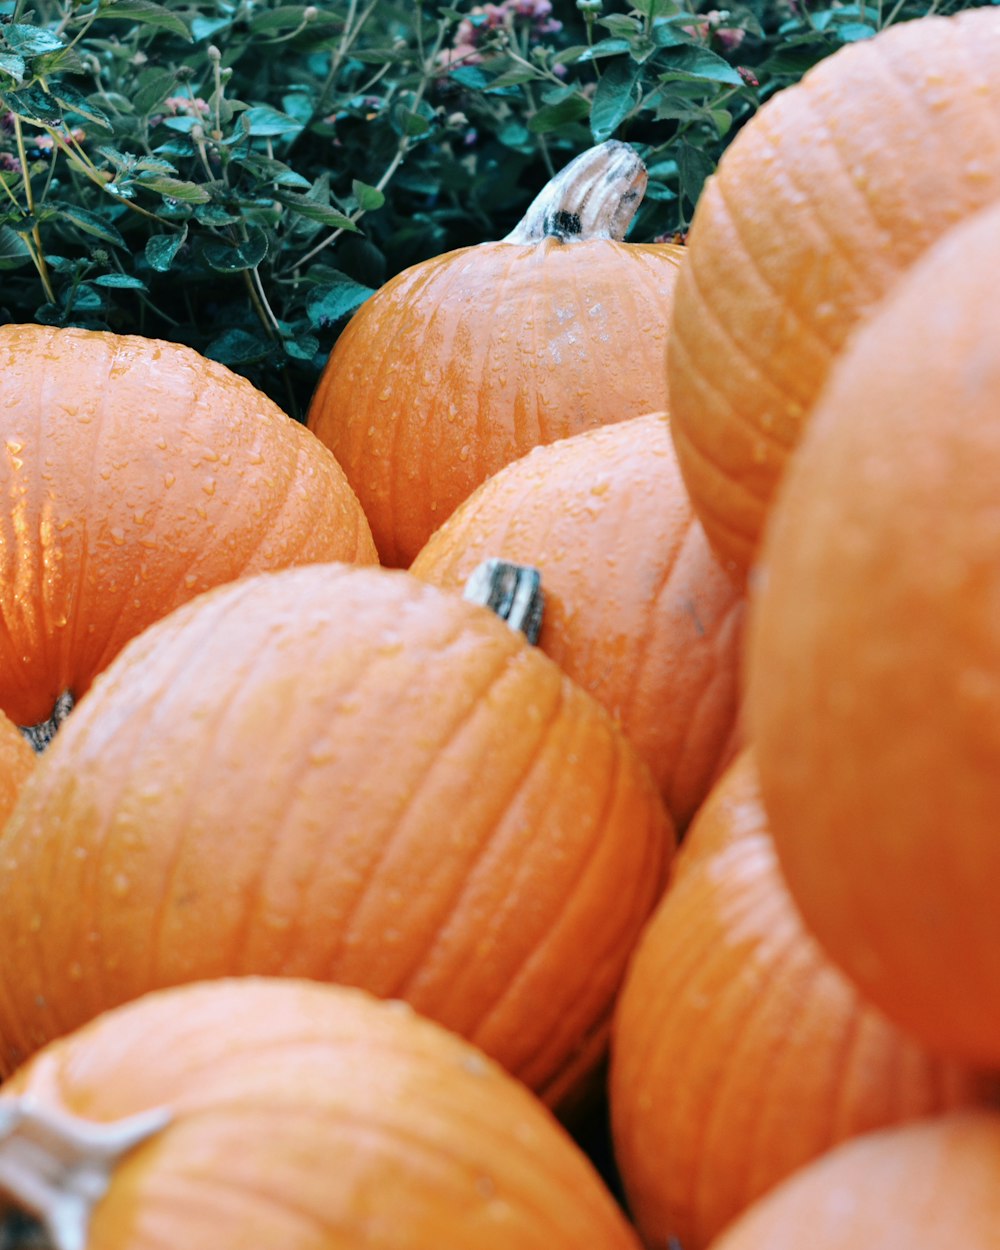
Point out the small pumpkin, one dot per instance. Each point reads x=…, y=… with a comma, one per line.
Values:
x=874, y=655
x=348, y=775
x=464, y=362
x=637, y=609
x=827, y=195
x=270, y=1113
x=920, y=1186
x=740, y=1052
x=137, y=474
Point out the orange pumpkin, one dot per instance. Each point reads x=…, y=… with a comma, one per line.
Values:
x=822, y=201
x=637, y=609
x=16, y=761
x=916, y=1187
x=739, y=1051
x=464, y=362
x=342, y=774
x=286, y=1114
x=137, y=473
x=875, y=654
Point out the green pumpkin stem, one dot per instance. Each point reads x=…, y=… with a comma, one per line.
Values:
x=41, y=735
x=512, y=591
x=58, y=1166
x=595, y=196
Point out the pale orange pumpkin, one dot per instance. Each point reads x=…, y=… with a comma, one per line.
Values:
x=269, y=1113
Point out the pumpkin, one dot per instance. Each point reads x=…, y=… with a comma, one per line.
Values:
x=637, y=609
x=919, y=1186
x=273, y=1113
x=137, y=474
x=16, y=761
x=827, y=195
x=465, y=361
x=342, y=774
x=740, y=1052
x=874, y=664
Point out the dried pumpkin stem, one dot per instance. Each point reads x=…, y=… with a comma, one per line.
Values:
x=512, y=591
x=595, y=196
x=59, y=1166
x=41, y=735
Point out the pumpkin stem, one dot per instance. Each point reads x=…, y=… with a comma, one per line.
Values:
x=595, y=196
x=512, y=591
x=59, y=1166
x=41, y=735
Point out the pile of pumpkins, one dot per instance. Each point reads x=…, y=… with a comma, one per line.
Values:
x=331, y=898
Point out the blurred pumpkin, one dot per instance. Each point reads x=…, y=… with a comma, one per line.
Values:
x=915, y=1187
x=16, y=761
x=637, y=609
x=347, y=775
x=739, y=1052
x=137, y=474
x=464, y=362
x=283, y=1113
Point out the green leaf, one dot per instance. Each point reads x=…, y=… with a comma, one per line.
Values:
x=694, y=166
x=266, y=169
x=234, y=258
x=315, y=211
x=75, y=102
x=285, y=17
x=329, y=304
x=206, y=27
x=854, y=32
x=162, y=249
x=237, y=347
x=470, y=76
x=31, y=40
x=146, y=13
x=13, y=250
x=655, y=8
x=368, y=198
x=614, y=98
x=266, y=122
x=606, y=47
x=90, y=223
x=553, y=116
x=13, y=65
x=175, y=188
x=304, y=347
x=34, y=104
x=697, y=63
x=153, y=87
x=124, y=281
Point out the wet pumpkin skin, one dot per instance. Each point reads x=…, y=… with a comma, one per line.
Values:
x=310, y=1117
x=135, y=475
x=344, y=774
x=466, y=361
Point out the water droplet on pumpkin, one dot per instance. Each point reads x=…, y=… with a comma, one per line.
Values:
x=161, y=442
x=35, y=923
x=14, y=447
x=75, y=971
x=190, y=579
x=208, y=486
x=169, y=479
x=464, y=452
x=120, y=885
x=117, y=535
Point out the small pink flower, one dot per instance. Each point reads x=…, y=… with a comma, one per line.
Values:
x=748, y=76
x=186, y=106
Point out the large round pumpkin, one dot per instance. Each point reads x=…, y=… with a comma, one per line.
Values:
x=875, y=654
x=740, y=1052
x=825, y=197
x=136, y=474
x=919, y=1186
x=343, y=774
x=269, y=1113
x=464, y=362
x=637, y=608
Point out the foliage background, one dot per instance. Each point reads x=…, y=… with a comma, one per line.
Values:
x=240, y=175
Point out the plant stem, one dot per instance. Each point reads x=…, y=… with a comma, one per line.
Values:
x=38, y=253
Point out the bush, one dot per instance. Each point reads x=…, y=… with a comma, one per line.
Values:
x=239, y=175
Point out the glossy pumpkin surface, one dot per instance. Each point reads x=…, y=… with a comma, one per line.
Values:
x=313, y=1117
x=920, y=1186
x=637, y=608
x=740, y=1052
x=466, y=361
x=17, y=759
x=342, y=774
x=874, y=660
x=136, y=474
x=830, y=192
